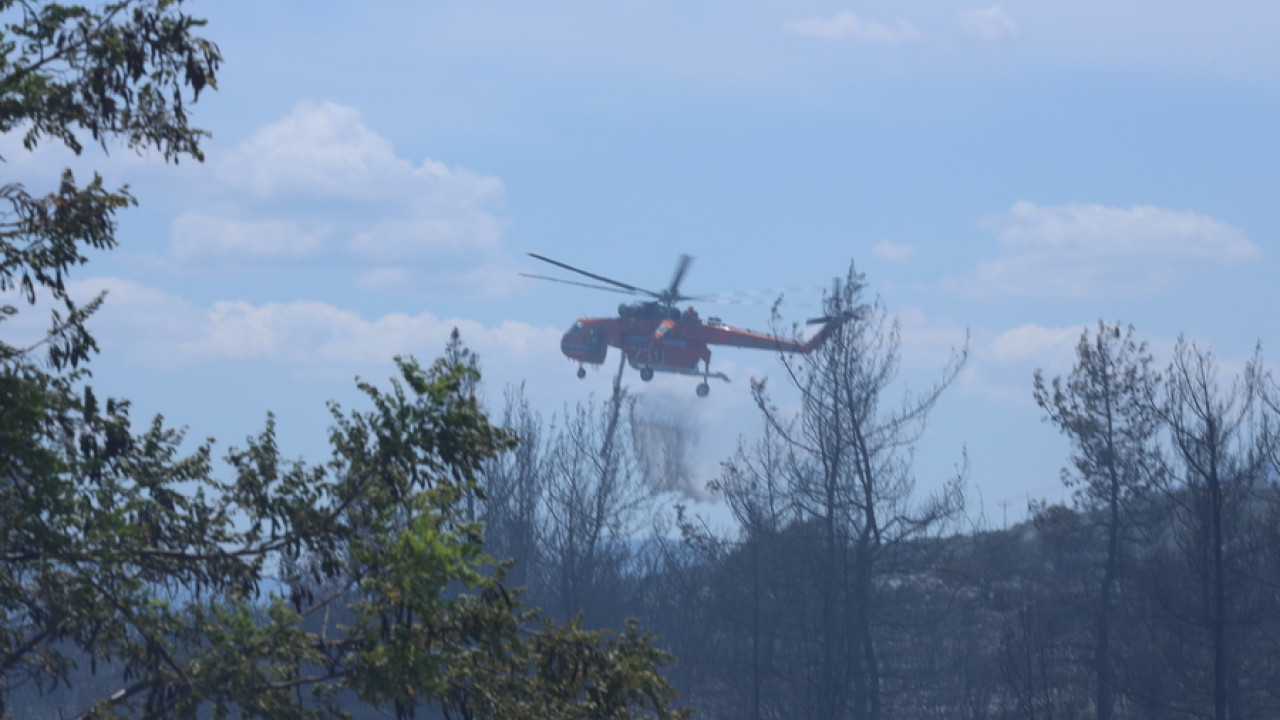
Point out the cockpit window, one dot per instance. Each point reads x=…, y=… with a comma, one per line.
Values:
x=576, y=326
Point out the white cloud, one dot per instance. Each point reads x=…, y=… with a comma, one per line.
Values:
x=1002, y=364
x=319, y=149
x=319, y=335
x=989, y=24
x=1034, y=344
x=157, y=327
x=849, y=26
x=299, y=331
x=322, y=159
x=196, y=236
x=1091, y=250
x=891, y=251
x=137, y=320
x=325, y=150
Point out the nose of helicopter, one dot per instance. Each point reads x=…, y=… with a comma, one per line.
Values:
x=579, y=343
x=574, y=342
x=569, y=341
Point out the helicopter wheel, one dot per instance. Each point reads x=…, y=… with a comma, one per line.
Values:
x=646, y=374
x=582, y=372
x=703, y=390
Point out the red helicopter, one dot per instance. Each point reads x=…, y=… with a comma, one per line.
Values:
x=656, y=336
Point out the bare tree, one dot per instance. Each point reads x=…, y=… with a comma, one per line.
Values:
x=848, y=484
x=1221, y=442
x=753, y=484
x=1105, y=409
x=513, y=488
x=591, y=503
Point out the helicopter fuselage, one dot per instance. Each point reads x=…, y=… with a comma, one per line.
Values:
x=662, y=339
x=659, y=345
x=656, y=336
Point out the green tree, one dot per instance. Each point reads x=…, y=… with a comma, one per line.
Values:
x=123, y=73
x=120, y=74
x=141, y=560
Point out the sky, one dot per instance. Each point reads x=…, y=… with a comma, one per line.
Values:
x=377, y=171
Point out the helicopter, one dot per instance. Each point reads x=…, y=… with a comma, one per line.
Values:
x=656, y=336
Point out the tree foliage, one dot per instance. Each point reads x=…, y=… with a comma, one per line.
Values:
x=209, y=594
x=121, y=73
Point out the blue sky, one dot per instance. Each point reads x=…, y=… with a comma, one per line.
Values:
x=377, y=171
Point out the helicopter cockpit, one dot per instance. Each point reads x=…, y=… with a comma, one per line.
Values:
x=586, y=344
x=648, y=311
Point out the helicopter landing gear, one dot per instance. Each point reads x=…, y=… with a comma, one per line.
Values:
x=582, y=372
x=646, y=374
x=703, y=389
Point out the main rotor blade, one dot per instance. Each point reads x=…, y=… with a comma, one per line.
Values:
x=763, y=296
x=673, y=291
x=579, y=284
x=593, y=276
